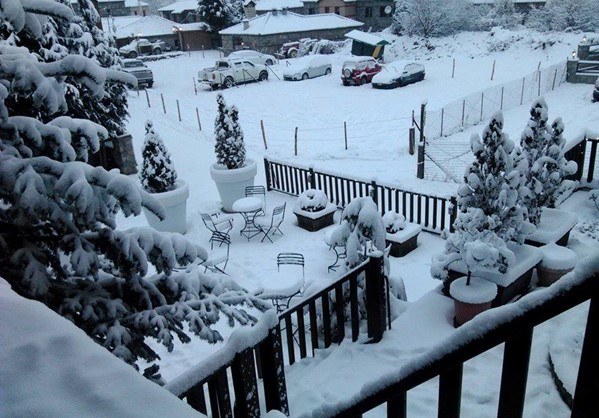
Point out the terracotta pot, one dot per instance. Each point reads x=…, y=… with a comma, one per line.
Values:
x=470, y=300
x=547, y=276
x=464, y=312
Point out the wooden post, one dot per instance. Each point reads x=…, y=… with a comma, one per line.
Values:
x=522, y=92
x=312, y=178
x=554, y=78
x=195, y=89
x=463, y=111
x=442, y=117
x=263, y=134
x=147, y=97
x=375, y=298
x=295, y=142
x=178, y=110
x=203, y=56
x=482, y=104
x=493, y=70
x=501, y=103
x=345, y=133
x=453, y=68
x=163, y=107
x=514, y=374
x=412, y=140
x=421, y=143
x=539, y=85
x=198, y=118
x=273, y=371
x=267, y=174
x=422, y=120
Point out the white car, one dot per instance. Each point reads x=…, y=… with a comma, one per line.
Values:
x=229, y=72
x=137, y=68
x=308, y=66
x=398, y=74
x=253, y=56
x=142, y=46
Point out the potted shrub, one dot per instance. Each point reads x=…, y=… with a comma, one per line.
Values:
x=556, y=262
x=545, y=169
x=159, y=178
x=402, y=236
x=313, y=210
x=232, y=172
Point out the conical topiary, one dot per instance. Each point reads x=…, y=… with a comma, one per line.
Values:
x=230, y=146
x=158, y=173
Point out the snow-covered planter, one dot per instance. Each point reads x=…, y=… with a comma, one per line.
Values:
x=556, y=262
x=554, y=227
x=402, y=236
x=159, y=178
x=471, y=296
x=232, y=172
x=313, y=210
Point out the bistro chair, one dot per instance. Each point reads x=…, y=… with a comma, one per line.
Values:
x=259, y=191
x=272, y=225
x=217, y=223
x=218, y=259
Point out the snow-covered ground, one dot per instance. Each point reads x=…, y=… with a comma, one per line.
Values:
x=377, y=124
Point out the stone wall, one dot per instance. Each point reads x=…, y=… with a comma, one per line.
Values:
x=375, y=21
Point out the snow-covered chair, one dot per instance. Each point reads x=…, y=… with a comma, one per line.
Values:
x=259, y=191
x=217, y=223
x=218, y=259
x=282, y=288
x=273, y=224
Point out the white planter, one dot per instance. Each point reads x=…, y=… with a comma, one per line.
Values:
x=231, y=184
x=175, y=207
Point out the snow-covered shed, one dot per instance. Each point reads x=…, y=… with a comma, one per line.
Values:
x=269, y=31
x=367, y=44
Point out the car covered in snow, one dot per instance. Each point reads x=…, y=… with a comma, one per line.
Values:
x=229, y=72
x=308, y=66
x=253, y=56
x=398, y=74
x=138, y=69
x=359, y=70
x=297, y=48
x=142, y=46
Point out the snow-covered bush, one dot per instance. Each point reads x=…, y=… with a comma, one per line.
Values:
x=367, y=229
x=58, y=238
x=489, y=201
x=219, y=14
x=394, y=222
x=501, y=13
x=561, y=15
x=230, y=145
x=158, y=173
x=312, y=200
x=431, y=17
x=545, y=166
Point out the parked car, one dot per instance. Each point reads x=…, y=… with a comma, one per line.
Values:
x=137, y=68
x=142, y=46
x=596, y=91
x=398, y=74
x=253, y=56
x=306, y=67
x=228, y=72
x=296, y=48
x=359, y=70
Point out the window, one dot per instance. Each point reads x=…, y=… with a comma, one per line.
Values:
x=382, y=11
x=337, y=10
x=327, y=9
x=311, y=11
x=368, y=11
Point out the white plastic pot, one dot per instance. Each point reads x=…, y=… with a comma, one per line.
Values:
x=175, y=207
x=231, y=183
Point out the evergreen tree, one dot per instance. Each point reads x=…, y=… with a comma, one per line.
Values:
x=230, y=145
x=216, y=13
x=158, y=173
x=58, y=238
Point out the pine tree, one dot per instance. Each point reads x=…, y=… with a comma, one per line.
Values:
x=58, y=238
x=158, y=173
x=490, y=203
x=216, y=13
x=230, y=145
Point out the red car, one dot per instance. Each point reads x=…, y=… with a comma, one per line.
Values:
x=359, y=70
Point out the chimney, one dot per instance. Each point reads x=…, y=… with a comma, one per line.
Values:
x=249, y=9
x=246, y=24
x=274, y=12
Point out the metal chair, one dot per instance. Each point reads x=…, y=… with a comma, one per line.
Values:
x=257, y=191
x=290, y=258
x=273, y=225
x=219, y=256
x=281, y=296
x=217, y=223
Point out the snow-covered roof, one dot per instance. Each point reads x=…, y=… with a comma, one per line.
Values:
x=148, y=26
x=367, y=38
x=269, y=24
x=267, y=5
x=135, y=3
x=514, y=1
x=48, y=357
x=180, y=6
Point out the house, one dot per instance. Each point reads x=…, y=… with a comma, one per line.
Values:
x=367, y=44
x=126, y=28
x=269, y=31
x=182, y=11
x=345, y=8
x=118, y=7
x=251, y=8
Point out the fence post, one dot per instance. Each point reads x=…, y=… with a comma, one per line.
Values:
x=420, y=164
x=178, y=110
x=147, y=97
x=375, y=298
x=295, y=142
x=195, y=89
x=522, y=92
x=493, y=70
x=312, y=178
x=463, y=111
x=243, y=373
x=442, y=117
x=163, y=107
x=482, y=104
x=263, y=134
x=273, y=372
x=198, y=118
x=374, y=192
x=267, y=173
x=453, y=68
x=345, y=133
x=412, y=140
x=554, y=78
x=501, y=103
x=453, y=212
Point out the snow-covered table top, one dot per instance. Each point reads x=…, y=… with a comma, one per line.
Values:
x=247, y=204
x=527, y=257
x=554, y=224
x=405, y=234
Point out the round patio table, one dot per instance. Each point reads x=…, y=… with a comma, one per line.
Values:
x=248, y=207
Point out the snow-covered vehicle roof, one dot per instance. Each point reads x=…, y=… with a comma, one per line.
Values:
x=305, y=62
x=391, y=71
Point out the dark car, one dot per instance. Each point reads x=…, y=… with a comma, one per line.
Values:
x=398, y=74
x=359, y=70
x=137, y=68
x=596, y=91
